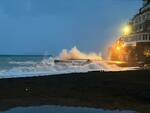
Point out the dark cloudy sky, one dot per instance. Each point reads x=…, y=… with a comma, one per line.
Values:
x=36, y=26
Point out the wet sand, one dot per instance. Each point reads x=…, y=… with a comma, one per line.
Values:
x=128, y=90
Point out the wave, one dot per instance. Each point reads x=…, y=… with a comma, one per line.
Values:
x=73, y=61
x=50, y=67
x=22, y=62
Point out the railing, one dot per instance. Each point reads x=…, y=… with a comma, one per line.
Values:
x=142, y=37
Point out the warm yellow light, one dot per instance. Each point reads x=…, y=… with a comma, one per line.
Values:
x=119, y=62
x=118, y=48
x=147, y=53
x=126, y=30
x=123, y=45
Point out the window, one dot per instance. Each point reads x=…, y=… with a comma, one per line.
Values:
x=148, y=15
x=139, y=38
x=141, y=27
x=145, y=36
x=145, y=16
x=139, y=19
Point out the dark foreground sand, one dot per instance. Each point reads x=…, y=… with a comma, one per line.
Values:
x=128, y=90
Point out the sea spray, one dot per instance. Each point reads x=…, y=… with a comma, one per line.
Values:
x=74, y=53
x=73, y=61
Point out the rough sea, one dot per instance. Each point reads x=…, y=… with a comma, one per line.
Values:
x=36, y=65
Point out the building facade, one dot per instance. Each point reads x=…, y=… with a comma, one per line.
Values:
x=135, y=46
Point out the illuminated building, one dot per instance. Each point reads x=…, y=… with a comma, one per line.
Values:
x=134, y=44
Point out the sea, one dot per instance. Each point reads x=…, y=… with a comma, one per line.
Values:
x=18, y=65
x=40, y=65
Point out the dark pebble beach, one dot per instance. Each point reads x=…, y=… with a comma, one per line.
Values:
x=109, y=90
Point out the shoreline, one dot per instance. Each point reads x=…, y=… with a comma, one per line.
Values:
x=129, y=90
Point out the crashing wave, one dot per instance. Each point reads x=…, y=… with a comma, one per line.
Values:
x=72, y=61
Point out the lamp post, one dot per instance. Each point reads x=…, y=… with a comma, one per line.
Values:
x=126, y=30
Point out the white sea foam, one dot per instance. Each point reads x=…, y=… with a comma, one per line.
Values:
x=49, y=66
x=22, y=62
x=74, y=53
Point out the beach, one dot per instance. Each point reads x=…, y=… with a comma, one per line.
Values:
x=123, y=90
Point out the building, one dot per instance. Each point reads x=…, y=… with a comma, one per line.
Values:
x=135, y=39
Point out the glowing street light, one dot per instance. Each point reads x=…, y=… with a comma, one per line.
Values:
x=117, y=48
x=126, y=29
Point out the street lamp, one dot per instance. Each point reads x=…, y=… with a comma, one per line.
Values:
x=126, y=30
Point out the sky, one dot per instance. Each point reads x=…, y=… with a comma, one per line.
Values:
x=39, y=26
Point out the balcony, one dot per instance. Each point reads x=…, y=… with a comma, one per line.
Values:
x=142, y=37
